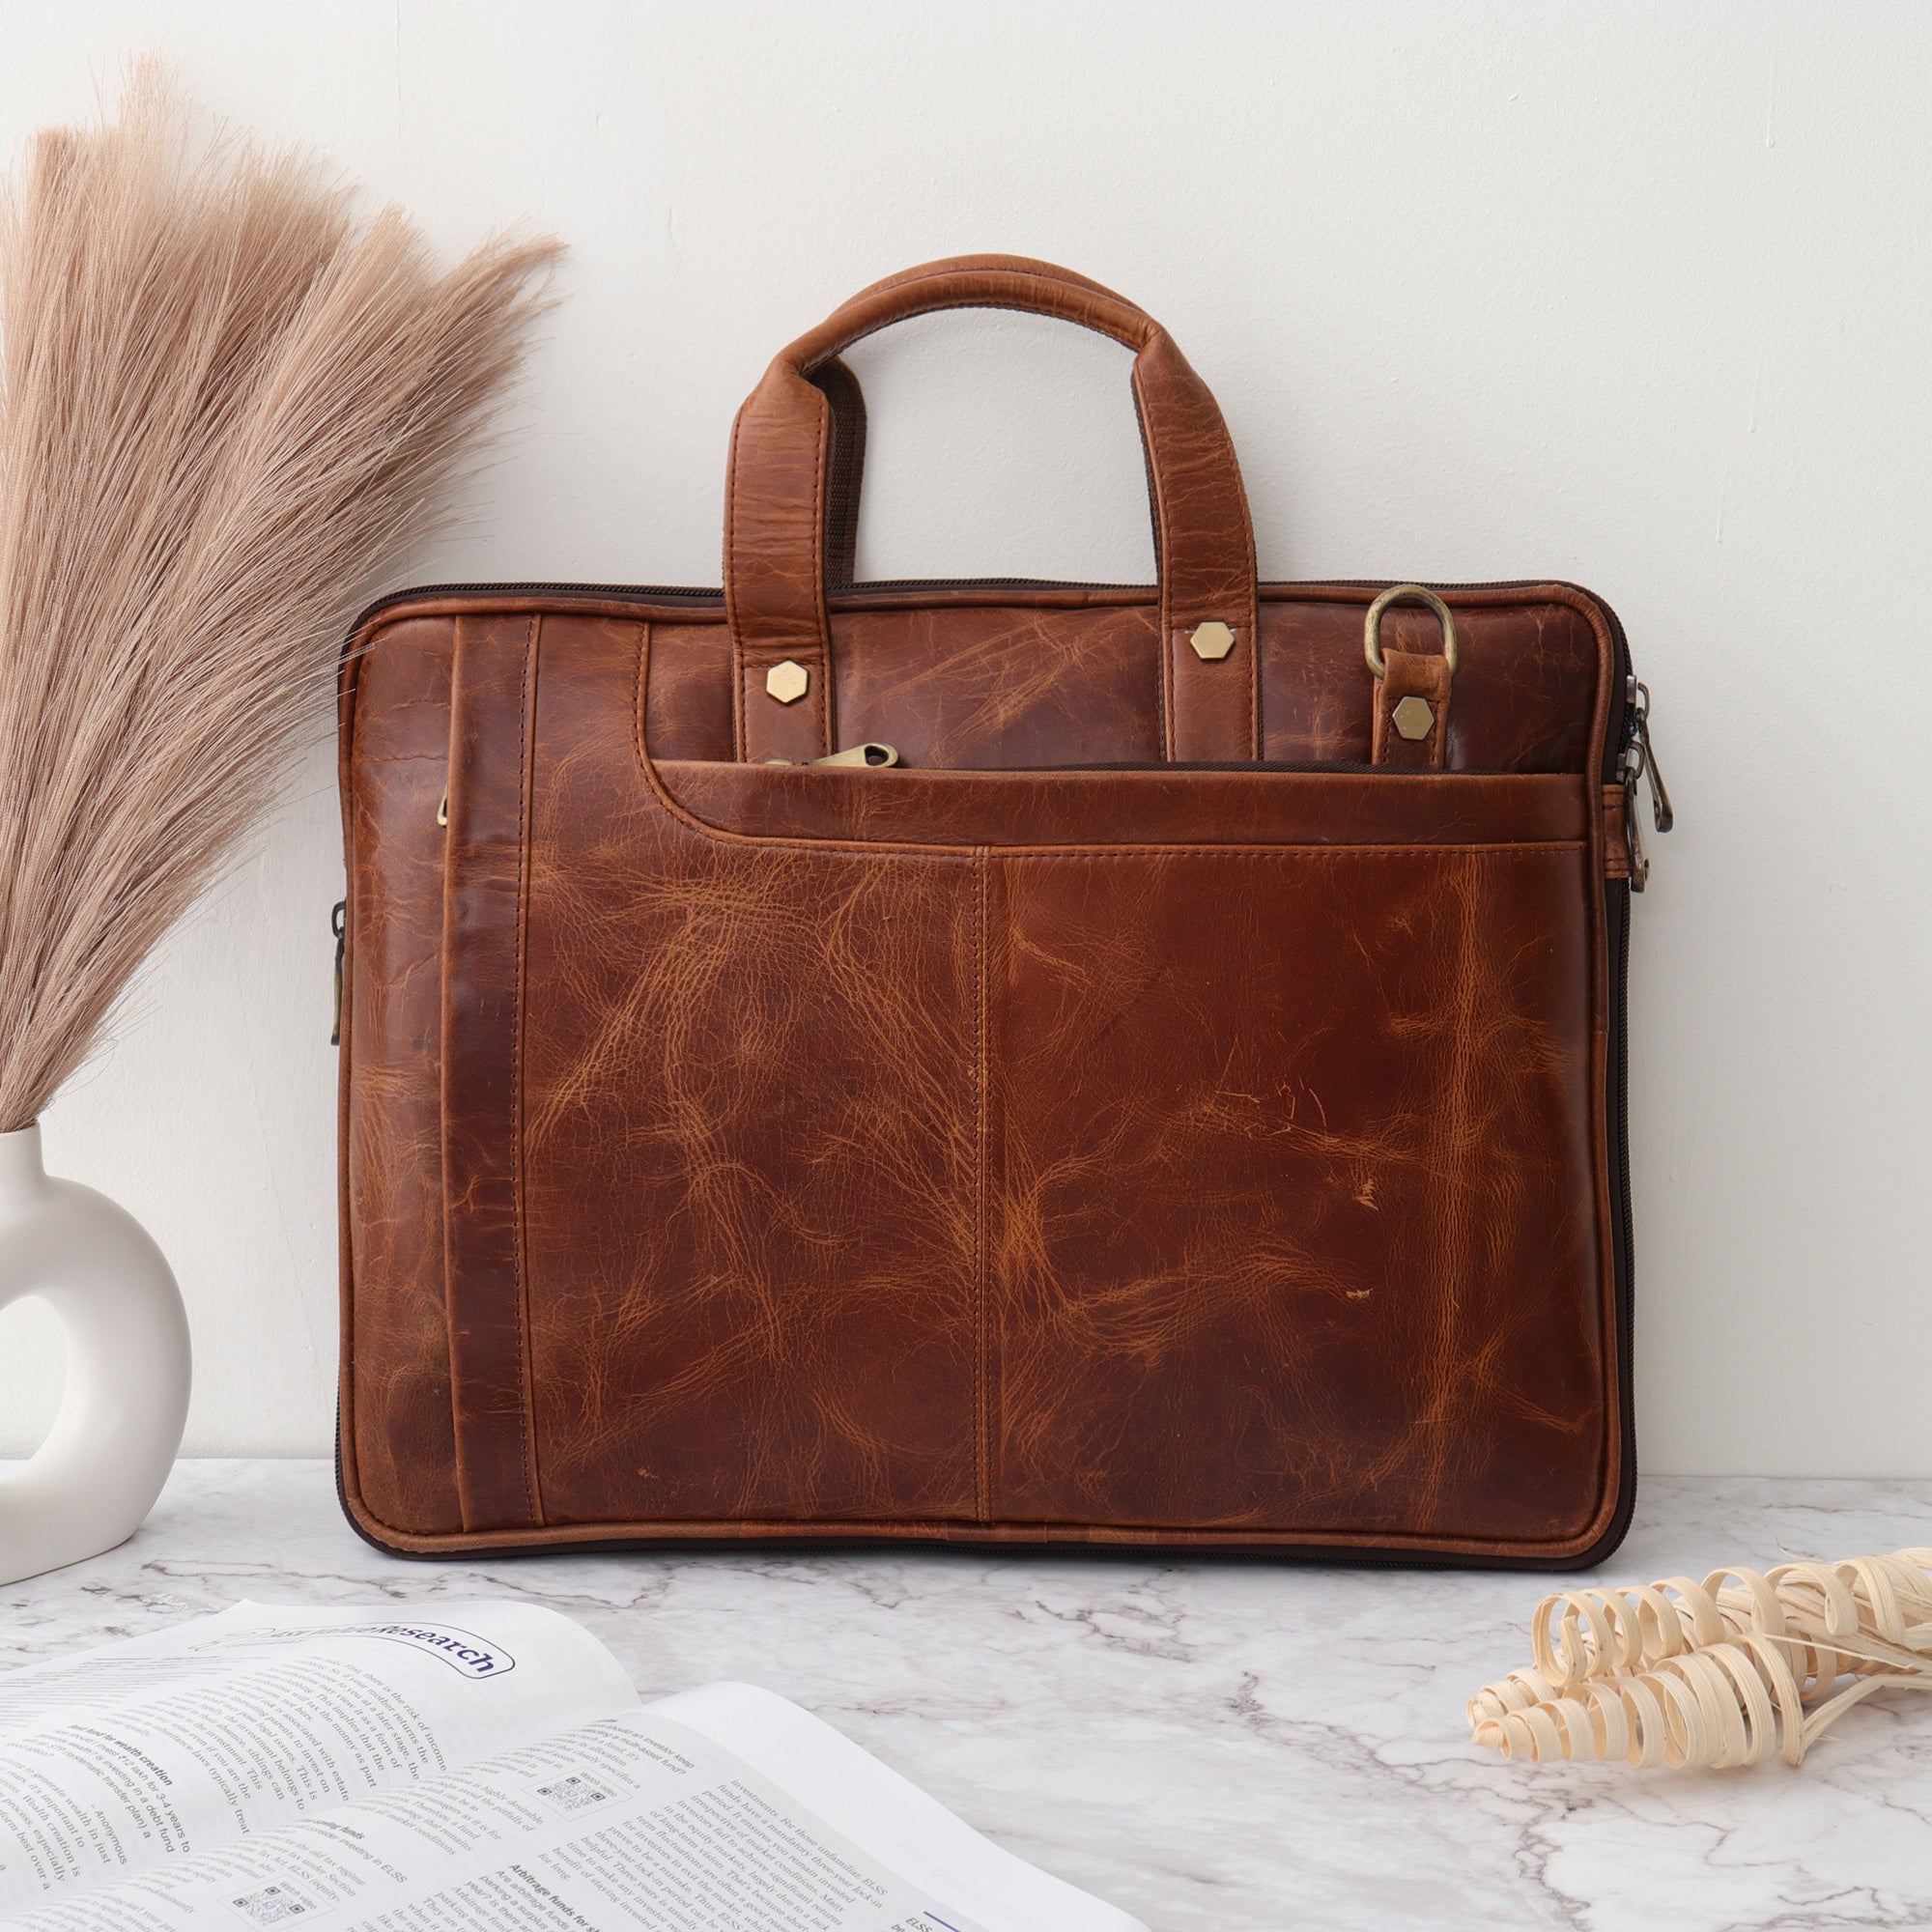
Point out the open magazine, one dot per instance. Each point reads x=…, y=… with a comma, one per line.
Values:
x=485, y=1766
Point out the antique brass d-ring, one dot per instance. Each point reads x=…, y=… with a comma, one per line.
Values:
x=1415, y=593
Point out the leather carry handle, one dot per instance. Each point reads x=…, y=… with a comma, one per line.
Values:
x=845, y=459
x=845, y=463
x=793, y=465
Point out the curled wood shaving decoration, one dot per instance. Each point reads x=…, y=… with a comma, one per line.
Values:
x=1710, y=1675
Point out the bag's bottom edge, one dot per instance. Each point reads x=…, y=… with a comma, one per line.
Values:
x=1579, y=1552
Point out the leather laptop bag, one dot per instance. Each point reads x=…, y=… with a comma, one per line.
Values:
x=987, y=1062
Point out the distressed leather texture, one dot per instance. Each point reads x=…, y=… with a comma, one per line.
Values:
x=1171, y=1110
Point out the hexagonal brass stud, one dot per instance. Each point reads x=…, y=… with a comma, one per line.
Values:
x=787, y=682
x=1413, y=718
x=1211, y=641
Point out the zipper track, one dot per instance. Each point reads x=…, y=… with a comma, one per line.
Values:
x=687, y=593
x=1623, y=1235
x=1618, y=909
x=1240, y=766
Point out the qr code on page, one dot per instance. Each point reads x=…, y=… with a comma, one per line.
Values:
x=273, y=1905
x=572, y=1794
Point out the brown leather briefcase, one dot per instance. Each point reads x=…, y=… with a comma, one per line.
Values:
x=990, y=1063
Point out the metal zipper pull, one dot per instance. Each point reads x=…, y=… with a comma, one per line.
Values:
x=1639, y=762
x=338, y=924
x=873, y=757
x=869, y=757
x=1659, y=799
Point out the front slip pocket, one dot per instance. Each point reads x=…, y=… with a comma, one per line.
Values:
x=921, y=1148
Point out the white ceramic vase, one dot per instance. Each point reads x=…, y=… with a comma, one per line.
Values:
x=125, y=1400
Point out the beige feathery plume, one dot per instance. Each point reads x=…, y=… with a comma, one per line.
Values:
x=1708, y=1675
x=225, y=404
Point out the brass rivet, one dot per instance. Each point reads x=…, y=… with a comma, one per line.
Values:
x=787, y=681
x=1413, y=718
x=1211, y=641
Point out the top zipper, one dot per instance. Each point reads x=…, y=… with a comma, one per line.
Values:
x=687, y=593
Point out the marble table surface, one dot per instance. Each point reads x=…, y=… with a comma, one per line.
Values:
x=1210, y=1744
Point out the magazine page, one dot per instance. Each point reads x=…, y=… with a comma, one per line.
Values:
x=898, y=1824
x=634, y=1822
x=176, y=1744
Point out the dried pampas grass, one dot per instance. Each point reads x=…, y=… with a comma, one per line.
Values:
x=1706, y=1675
x=226, y=403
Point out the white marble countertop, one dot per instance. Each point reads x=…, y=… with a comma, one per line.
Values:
x=1230, y=1745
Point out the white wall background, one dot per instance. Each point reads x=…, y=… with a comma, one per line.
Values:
x=1637, y=295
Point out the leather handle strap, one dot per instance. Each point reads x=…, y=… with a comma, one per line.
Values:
x=845, y=467
x=846, y=400
x=795, y=460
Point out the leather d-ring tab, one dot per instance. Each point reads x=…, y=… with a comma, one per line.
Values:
x=793, y=485
x=1412, y=719
x=1410, y=724
x=1616, y=833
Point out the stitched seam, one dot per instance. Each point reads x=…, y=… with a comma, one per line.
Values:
x=638, y=739
x=981, y=1339
x=1163, y=564
x=1251, y=590
x=906, y=849
x=1049, y=855
x=1136, y=343
x=821, y=696
x=1250, y=713
x=672, y=1530
x=1046, y=595
x=458, y=666
x=526, y=774
x=347, y=695
x=738, y=656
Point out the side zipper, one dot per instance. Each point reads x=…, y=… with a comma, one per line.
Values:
x=1639, y=762
x=338, y=924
